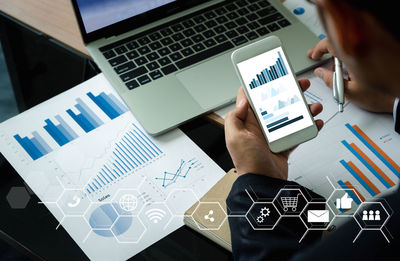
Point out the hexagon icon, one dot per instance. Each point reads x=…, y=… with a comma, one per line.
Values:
x=371, y=215
x=343, y=202
x=156, y=214
x=102, y=218
x=177, y=194
x=18, y=197
x=209, y=215
x=132, y=235
x=130, y=201
x=317, y=215
x=73, y=202
x=263, y=216
x=290, y=201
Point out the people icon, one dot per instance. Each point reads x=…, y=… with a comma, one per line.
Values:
x=365, y=215
x=371, y=215
x=377, y=215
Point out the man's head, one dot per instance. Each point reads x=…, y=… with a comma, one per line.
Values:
x=364, y=36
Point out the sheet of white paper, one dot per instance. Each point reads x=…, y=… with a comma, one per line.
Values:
x=115, y=189
x=307, y=14
x=337, y=144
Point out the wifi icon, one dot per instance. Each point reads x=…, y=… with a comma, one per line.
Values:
x=155, y=215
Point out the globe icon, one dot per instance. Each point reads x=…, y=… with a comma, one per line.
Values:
x=128, y=202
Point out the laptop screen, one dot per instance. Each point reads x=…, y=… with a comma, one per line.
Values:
x=97, y=14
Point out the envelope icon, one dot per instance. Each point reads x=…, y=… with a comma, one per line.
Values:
x=318, y=216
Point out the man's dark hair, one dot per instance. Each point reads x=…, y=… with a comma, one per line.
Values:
x=382, y=11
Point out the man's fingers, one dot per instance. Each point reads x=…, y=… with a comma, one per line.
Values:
x=325, y=74
x=320, y=124
x=304, y=84
x=242, y=105
x=315, y=108
x=321, y=48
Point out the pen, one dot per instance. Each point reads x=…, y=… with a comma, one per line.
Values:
x=338, y=84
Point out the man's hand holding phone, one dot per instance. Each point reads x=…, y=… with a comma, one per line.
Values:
x=247, y=145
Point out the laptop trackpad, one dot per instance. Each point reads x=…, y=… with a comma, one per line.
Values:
x=211, y=83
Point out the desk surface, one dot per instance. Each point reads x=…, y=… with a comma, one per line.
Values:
x=54, y=18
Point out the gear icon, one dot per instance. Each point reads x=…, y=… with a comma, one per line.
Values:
x=265, y=212
x=260, y=219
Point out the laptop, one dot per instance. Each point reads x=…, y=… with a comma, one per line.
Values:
x=169, y=60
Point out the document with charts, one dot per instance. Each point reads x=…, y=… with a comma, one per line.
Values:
x=115, y=189
x=355, y=149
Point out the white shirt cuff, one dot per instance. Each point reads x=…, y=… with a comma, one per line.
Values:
x=396, y=103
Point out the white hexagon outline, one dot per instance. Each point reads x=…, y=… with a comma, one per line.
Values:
x=301, y=192
x=372, y=229
x=158, y=202
x=87, y=221
x=129, y=242
x=329, y=223
x=115, y=195
x=372, y=202
x=71, y=215
x=181, y=189
x=210, y=202
x=341, y=189
x=263, y=228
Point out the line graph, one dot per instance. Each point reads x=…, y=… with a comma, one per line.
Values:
x=185, y=167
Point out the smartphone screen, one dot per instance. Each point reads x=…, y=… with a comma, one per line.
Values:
x=277, y=100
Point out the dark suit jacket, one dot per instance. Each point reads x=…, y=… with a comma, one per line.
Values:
x=282, y=243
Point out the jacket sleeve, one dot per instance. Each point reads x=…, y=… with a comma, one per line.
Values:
x=279, y=243
x=282, y=243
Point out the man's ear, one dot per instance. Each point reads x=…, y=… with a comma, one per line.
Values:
x=348, y=25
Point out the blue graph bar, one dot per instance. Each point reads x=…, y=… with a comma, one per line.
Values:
x=26, y=143
x=266, y=117
x=65, y=128
x=132, y=151
x=86, y=119
x=108, y=104
x=358, y=178
x=373, y=150
x=366, y=164
x=350, y=192
x=42, y=143
x=61, y=133
x=277, y=122
x=282, y=63
x=274, y=72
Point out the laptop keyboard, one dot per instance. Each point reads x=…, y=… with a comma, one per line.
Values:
x=178, y=44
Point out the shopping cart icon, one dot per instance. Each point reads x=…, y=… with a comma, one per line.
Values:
x=290, y=202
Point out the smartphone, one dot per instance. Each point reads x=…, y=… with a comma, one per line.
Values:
x=274, y=94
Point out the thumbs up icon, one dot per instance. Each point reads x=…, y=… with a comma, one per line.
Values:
x=344, y=202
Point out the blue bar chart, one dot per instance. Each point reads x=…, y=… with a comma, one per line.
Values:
x=131, y=152
x=109, y=104
x=87, y=119
x=36, y=147
x=84, y=118
x=270, y=73
x=61, y=133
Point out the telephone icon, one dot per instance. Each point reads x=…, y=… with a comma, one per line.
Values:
x=76, y=200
